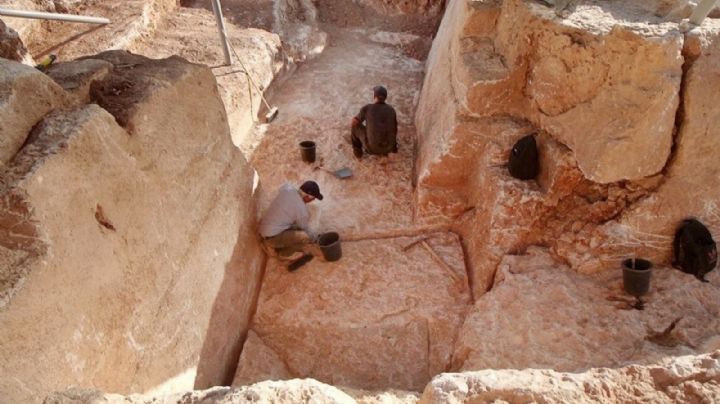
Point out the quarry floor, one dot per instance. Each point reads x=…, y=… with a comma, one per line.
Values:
x=387, y=314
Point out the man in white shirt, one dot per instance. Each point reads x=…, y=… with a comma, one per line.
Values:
x=284, y=227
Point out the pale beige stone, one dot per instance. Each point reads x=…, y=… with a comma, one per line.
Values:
x=11, y=46
x=379, y=318
x=26, y=95
x=541, y=315
x=137, y=240
x=192, y=34
x=686, y=379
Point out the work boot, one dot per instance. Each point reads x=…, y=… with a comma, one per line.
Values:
x=295, y=265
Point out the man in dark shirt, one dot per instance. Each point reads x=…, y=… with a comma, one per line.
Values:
x=374, y=129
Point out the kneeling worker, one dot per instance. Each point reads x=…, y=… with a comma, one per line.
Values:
x=284, y=227
x=379, y=134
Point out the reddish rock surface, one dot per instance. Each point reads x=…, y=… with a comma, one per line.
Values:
x=379, y=318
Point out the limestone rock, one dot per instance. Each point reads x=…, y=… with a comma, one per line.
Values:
x=76, y=77
x=290, y=391
x=685, y=379
x=106, y=234
x=690, y=184
x=131, y=20
x=26, y=96
x=12, y=47
x=188, y=33
x=378, y=318
x=542, y=315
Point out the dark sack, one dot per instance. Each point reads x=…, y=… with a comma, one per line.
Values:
x=523, y=163
x=695, y=251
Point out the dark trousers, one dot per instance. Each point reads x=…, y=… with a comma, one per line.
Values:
x=358, y=137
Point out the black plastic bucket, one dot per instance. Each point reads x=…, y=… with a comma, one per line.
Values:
x=636, y=276
x=307, y=151
x=330, y=246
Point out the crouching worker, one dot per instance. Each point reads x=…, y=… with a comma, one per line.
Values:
x=374, y=129
x=284, y=227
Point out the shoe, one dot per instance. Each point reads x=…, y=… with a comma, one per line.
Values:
x=294, y=266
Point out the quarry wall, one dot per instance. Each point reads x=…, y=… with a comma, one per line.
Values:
x=128, y=230
x=610, y=95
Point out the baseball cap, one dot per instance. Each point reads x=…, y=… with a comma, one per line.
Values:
x=311, y=188
x=380, y=91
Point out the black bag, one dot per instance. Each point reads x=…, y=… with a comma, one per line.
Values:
x=694, y=249
x=523, y=163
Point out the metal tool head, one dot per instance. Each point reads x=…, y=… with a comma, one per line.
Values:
x=343, y=173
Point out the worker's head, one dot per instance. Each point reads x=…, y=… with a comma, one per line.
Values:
x=310, y=191
x=380, y=93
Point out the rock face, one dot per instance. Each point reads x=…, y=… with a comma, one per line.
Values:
x=108, y=230
x=76, y=77
x=26, y=95
x=192, y=34
x=11, y=46
x=542, y=315
x=691, y=181
x=379, y=318
x=604, y=89
x=688, y=379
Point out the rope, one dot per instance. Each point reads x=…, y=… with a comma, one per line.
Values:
x=249, y=77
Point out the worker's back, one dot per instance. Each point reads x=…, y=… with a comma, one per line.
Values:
x=381, y=128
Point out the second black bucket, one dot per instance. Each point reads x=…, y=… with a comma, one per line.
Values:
x=636, y=276
x=307, y=151
x=330, y=246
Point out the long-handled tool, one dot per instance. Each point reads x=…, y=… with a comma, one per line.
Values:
x=272, y=111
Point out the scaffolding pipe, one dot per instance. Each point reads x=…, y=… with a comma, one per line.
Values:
x=217, y=10
x=701, y=11
x=40, y=15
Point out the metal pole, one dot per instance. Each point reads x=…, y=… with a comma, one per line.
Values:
x=53, y=16
x=701, y=11
x=217, y=10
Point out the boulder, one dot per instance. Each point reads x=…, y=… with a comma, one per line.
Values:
x=26, y=96
x=12, y=47
x=686, y=379
x=76, y=77
x=107, y=232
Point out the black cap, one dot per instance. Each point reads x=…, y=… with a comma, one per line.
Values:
x=311, y=188
x=380, y=91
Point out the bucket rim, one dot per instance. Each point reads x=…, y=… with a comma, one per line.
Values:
x=307, y=144
x=627, y=265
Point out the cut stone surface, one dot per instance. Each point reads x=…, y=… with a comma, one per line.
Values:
x=692, y=180
x=108, y=231
x=76, y=77
x=192, y=34
x=542, y=315
x=379, y=318
x=130, y=21
x=26, y=95
x=377, y=198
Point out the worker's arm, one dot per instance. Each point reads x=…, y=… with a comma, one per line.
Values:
x=303, y=221
x=359, y=118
